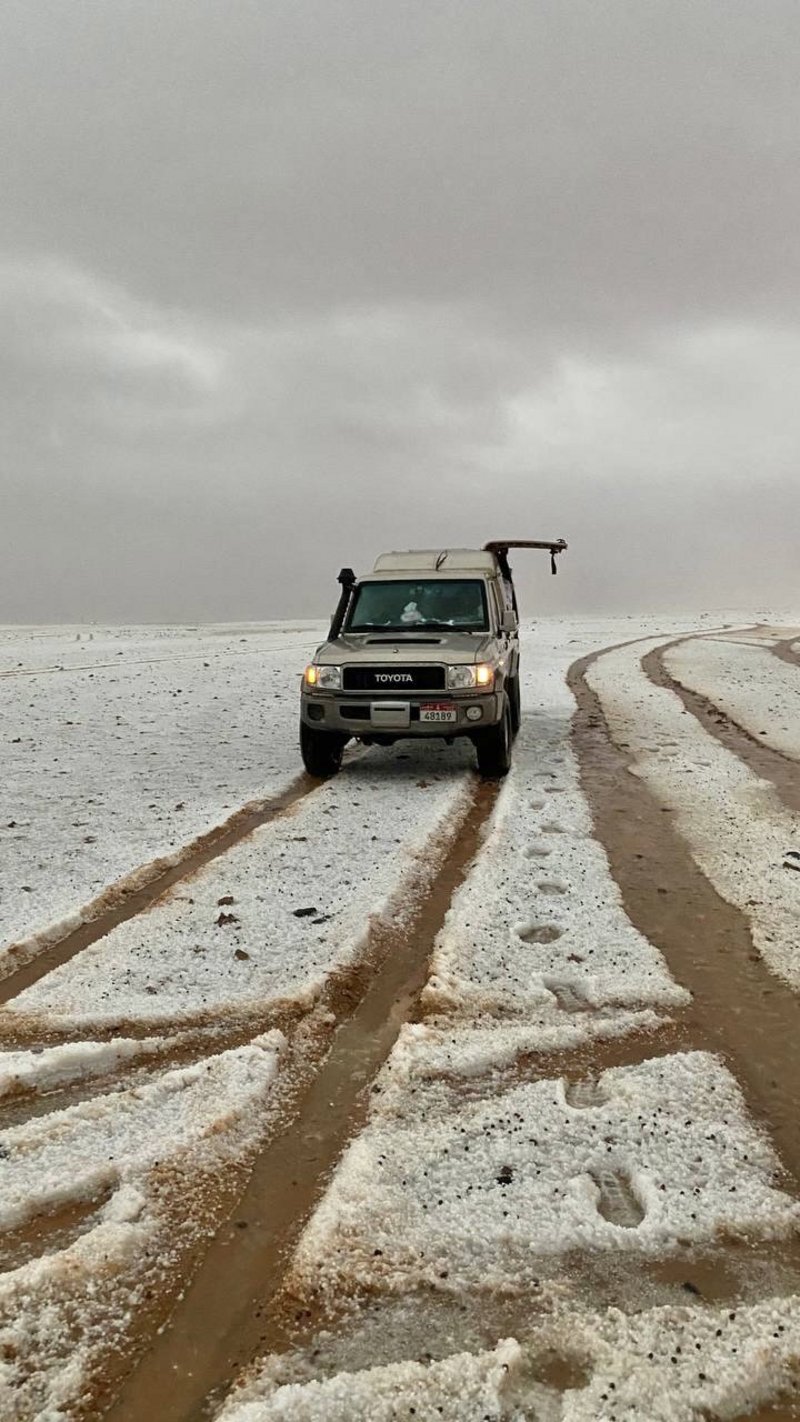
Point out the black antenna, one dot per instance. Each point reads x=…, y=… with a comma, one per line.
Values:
x=441, y=558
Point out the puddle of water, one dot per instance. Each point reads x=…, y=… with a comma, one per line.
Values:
x=422, y=1325
x=220, y=1321
x=725, y=1274
x=554, y=1370
x=579, y=1067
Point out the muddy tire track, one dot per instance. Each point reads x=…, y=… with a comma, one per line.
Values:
x=307, y=1030
x=217, y=1325
x=33, y=1032
x=769, y=764
x=734, y=1270
x=308, y=1020
x=785, y=650
x=220, y=1322
x=580, y=1067
x=305, y=1337
x=739, y=1009
x=50, y=1231
x=139, y=890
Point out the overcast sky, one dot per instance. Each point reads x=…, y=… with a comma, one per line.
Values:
x=284, y=283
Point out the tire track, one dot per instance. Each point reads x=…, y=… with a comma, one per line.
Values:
x=310, y=1022
x=310, y=1029
x=306, y=1341
x=769, y=764
x=607, y=1278
x=580, y=1067
x=784, y=650
x=137, y=891
x=154, y=661
x=50, y=1232
x=729, y=1272
x=233, y=1025
x=308, y=1161
x=218, y=1325
x=739, y=1009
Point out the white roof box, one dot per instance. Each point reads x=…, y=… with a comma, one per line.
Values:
x=445, y=560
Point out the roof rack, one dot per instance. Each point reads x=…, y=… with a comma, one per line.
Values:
x=500, y=547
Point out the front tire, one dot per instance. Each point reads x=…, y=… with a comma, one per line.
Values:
x=321, y=751
x=494, y=747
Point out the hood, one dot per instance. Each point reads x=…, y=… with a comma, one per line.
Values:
x=373, y=648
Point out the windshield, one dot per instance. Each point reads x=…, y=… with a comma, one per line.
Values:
x=433, y=603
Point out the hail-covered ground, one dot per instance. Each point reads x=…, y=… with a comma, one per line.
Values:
x=563, y=1200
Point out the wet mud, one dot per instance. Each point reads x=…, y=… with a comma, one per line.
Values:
x=139, y=890
x=785, y=1409
x=311, y=1029
x=218, y=1325
x=772, y=765
x=785, y=650
x=49, y=1232
x=30, y=1031
x=739, y=1009
x=580, y=1068
x=239, y=1304
x=307, y=1337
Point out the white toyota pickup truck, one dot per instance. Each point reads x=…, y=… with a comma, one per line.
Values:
x=427, y=644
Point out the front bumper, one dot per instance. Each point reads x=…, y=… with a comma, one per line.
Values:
x=359, y=715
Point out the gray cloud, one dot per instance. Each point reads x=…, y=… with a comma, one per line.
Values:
x=282, y=285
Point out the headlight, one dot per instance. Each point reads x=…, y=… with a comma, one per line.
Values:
x=330, y=678
x=461, y=678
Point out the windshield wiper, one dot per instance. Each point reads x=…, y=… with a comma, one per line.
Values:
x=376, y=627
x=413, y=627
x=451, y=627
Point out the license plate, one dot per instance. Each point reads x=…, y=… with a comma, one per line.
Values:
x=437, y=711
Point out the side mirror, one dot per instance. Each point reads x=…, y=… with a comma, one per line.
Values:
x=508, y=621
